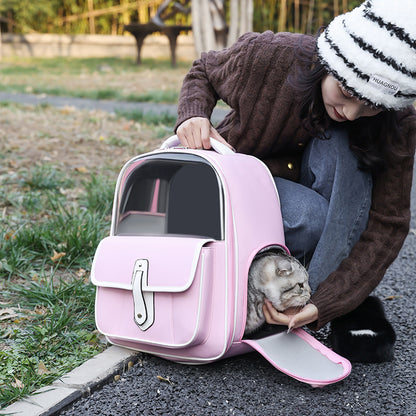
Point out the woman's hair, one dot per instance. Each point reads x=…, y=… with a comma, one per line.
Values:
x=364, y=133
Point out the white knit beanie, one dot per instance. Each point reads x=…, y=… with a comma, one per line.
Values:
x=371, y=51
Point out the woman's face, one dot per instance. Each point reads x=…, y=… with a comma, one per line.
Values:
x=340, y=105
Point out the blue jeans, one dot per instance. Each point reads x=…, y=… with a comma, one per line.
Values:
x=326, y=212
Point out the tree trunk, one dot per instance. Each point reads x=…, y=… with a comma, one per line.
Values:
x=208, y=25
x=241, y=19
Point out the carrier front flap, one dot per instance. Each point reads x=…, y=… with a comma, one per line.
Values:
x=172, y=262
x=147, y=285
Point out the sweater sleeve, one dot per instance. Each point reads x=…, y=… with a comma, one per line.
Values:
x=224, y=75
x=379, y=245
x=202, y=86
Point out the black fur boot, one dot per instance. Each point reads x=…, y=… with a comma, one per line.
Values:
x=364, y=335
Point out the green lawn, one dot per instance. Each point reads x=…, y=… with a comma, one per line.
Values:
x=55, y=206
x=94, y=78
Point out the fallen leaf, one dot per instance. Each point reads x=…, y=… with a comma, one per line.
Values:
x=41, y=310
x=81, y=169
x=81, y=272
x=17, y=384
x=9, y=236
x=164, y=379
x=392, y=297
x=57, y=256
x=127, y=125
x=68, y=109
x=42, y=370
x=8, y=313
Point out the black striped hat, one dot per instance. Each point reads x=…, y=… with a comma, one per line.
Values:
x=371, y=51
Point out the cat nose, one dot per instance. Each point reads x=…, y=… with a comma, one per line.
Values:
x=300, y=285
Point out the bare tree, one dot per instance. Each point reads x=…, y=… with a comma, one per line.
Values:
x=209, y=24
x=241, y=19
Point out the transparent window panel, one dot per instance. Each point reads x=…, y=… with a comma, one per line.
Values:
x=180, y=196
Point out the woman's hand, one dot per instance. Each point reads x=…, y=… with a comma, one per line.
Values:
x=195, y=133
x=292, y=317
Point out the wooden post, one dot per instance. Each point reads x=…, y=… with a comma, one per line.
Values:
x=297, y=16
x=310, y=16
x=91, y=16
x=282, y=16
x=336, y=8
x=9, y=22
x=320, y=13
x=125, y=12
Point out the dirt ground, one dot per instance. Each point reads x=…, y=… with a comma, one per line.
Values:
x=69, y=138
x=81, y=139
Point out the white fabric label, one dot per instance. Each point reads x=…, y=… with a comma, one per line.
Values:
x=383, y=84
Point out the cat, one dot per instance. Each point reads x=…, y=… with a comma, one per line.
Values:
x=281, y=279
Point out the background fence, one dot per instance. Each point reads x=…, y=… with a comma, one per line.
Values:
x=109, y=16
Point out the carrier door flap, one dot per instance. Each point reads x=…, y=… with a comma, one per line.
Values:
x=302, y=357
x=155, y=264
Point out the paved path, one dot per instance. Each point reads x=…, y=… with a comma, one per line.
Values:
x=245, y=385
x=248, y=385
x=105, y=105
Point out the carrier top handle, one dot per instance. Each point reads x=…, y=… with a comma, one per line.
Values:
x=220, y=148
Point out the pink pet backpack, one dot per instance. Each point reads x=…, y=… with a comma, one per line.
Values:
x=172, y=276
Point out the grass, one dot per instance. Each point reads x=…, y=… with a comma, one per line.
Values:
x=148, y=118
x=98, y=94
x=94, y=78
x=58, y=334
x=47, y=304
x=54, y=211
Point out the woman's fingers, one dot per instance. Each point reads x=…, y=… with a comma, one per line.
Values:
x=293, y=317
x=195, y=133
x=308, y=314
x=273, y=316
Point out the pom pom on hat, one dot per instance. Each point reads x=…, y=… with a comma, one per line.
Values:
x=371, y=51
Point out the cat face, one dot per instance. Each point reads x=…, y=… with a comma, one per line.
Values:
x=283, y=281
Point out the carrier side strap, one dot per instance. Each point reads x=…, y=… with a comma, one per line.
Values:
x=302, y=357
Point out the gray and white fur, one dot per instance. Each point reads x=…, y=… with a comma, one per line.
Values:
x=281, y=279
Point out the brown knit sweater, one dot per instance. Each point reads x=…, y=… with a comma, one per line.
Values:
x=251, y=77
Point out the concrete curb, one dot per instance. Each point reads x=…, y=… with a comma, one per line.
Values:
x=80, y=382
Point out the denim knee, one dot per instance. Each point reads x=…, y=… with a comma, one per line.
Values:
x=304, y=227
x=304, y=213
x=323, y=158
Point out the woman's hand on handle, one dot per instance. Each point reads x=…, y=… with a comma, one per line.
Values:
x=195, y=132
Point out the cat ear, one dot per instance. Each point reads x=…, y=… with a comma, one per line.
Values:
x=283, y=267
